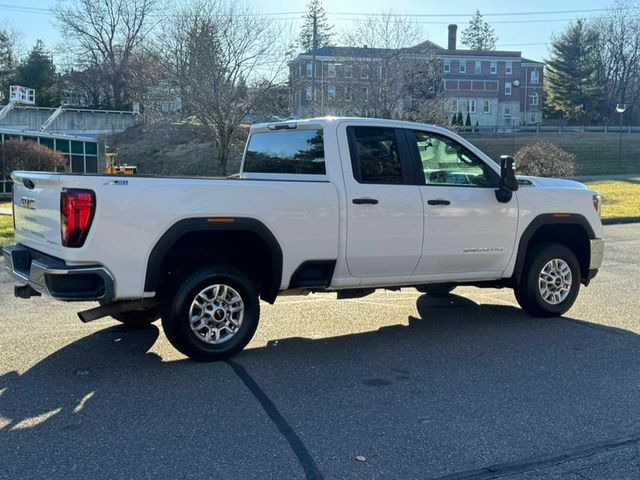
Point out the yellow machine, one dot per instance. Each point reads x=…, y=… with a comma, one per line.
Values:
x=113, y=168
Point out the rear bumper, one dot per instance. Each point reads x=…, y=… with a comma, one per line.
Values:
x=51, y=276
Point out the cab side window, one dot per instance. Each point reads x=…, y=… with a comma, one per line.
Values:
x=446, y=162
x=375, y=155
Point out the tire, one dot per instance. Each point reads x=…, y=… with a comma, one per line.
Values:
x=224, y=326
x=137, y=318
x=437, y=290
x=553, y=293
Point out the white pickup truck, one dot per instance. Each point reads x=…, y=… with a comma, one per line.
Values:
x=332, y=204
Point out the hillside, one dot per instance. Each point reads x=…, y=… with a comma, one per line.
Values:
x=168, y=149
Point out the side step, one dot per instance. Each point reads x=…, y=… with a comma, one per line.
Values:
x=117, y=307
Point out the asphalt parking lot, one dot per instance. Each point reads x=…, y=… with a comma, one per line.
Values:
x=394, y=385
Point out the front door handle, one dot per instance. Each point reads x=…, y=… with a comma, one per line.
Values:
x=438, y=201
x=365, y=201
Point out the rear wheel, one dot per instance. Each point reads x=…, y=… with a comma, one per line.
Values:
x=213, y=313
x=550, y=281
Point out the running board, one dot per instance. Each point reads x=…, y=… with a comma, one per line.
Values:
x=117, y=307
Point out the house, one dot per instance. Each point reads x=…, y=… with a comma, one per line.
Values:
x=497, y=88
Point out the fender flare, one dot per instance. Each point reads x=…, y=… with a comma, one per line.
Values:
x=207, y=224
x=539, y=222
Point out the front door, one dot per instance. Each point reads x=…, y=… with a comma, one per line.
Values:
x=384, y=206
x=466, y=229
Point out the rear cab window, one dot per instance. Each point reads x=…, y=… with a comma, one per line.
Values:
x=285, y=152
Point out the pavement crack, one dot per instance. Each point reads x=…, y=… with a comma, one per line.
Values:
x=541, y=462
x=295, y=442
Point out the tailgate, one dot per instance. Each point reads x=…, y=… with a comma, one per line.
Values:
x=36, y=199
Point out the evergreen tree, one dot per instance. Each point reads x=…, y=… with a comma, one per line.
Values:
x=467, y=122
x=479, y=35
x=460, y=121
x=7, y=60
x=38, y=71
x=324, y=31
x=571, y=76
x=454, y=120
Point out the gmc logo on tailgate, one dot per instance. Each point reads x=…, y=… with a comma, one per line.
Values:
x=26, y=202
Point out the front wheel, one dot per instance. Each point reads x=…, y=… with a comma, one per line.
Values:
x=550, y=281
x=213, y=313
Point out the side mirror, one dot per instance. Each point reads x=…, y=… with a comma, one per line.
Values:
x=508, y=182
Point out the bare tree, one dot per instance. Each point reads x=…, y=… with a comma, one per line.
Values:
x=619, y=51
x=393, y=72
x=225, y=61
x=105, y=35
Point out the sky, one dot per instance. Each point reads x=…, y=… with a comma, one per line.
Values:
x=527, y=33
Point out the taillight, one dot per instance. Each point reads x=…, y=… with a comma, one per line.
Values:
x=76, y=213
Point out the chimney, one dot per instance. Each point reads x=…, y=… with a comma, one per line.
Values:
x=453, y=31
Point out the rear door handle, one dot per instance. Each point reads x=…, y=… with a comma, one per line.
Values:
x=438, y=201
x=365, y=201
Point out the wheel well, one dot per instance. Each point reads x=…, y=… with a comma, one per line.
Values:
x=572, y=236
x=245, y=243
x=245, y=250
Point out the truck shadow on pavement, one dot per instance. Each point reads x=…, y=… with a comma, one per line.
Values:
x=463, y=386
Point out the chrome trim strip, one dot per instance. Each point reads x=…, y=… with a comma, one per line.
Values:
x=597, y=253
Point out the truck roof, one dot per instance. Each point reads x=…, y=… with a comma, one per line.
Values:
x=324, y=121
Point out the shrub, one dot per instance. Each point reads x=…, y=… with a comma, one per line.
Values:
x=28, y=155
x=544, y=159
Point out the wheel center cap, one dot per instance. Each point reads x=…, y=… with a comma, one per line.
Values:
x=219, y=314
x=558, y=282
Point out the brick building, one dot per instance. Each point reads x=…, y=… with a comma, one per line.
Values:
x=497, y=88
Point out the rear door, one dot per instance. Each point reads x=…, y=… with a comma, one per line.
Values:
x=384, y=208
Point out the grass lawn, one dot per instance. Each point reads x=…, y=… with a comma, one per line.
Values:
x=6, y=230
x=621, y=198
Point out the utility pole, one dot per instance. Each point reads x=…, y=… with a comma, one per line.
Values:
x=313, y=60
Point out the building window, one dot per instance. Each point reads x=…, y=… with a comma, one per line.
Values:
x=471, y=106
x=364, y=71
x=309, y=69
x=331, y=92
x=348, y=71
x=365, y=92
x=331, y=70
x=463, y=66
x=486, y=106
x=347, y=93
x=494, y=67
x=478, y=66
x=308, y=93
x=533, y=118
x=535, y=76
x=454, y=105
x=507, y=88
x=508, y=68
x=507, y=111
x=534, y=99
x=447, y=66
